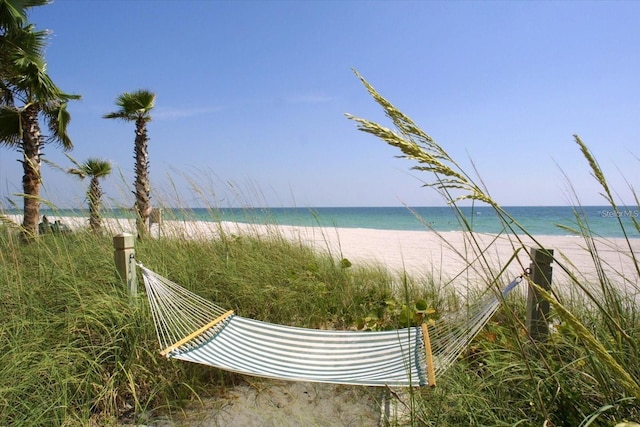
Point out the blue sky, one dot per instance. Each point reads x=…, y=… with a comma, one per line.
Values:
x=251, y=97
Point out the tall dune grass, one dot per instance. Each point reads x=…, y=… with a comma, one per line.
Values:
x=588, y=373
x=75, y=350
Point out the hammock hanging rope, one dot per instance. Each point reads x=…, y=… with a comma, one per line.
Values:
x=194, y=329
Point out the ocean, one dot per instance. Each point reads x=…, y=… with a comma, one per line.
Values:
x=538, y=220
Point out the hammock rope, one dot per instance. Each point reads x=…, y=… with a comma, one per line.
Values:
x=194, y=329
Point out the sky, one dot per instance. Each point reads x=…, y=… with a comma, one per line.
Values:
x=252, y=96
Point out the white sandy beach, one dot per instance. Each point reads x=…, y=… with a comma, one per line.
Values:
x=450, y=258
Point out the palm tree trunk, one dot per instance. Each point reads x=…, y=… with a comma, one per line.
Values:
x=95, y=197
x=142, y=185
x=31, y=166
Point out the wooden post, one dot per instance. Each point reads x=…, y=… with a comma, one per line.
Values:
x=124, y=257
x=537, y=307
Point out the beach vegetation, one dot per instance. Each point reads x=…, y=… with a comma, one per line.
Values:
x=136, y=107
x=76, y=350
x=30, y=99
x=588, y=372
x=95, y=169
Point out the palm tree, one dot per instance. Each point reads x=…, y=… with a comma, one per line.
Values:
x=28, y=95
x=96, y=169
x=136, y=107
x=16, y=41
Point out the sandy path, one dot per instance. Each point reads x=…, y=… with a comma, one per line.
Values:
x=276, y=403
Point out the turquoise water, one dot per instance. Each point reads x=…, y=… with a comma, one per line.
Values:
x=547, y=220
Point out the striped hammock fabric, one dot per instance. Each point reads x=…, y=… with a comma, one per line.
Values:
x=395, y=358
x=193, y=329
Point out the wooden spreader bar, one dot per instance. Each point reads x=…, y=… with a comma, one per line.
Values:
x=196, y=333
x=431, y=370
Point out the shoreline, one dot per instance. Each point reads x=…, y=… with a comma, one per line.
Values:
x=449, y=257
x=538, y=220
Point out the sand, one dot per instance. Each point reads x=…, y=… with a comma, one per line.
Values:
x=278, y=403
x=451, y=258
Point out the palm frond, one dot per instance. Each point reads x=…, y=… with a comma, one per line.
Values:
x=6, y=96
x=118, y=115
x=10, y=126
x=133, y=106
x=93, y=167
x=14, y=13
x=97, y=168
x=25, y=46
x=58, y=119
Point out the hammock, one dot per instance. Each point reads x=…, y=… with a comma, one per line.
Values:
x=194, y=329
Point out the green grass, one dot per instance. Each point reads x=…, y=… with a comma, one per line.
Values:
x=76, y=350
